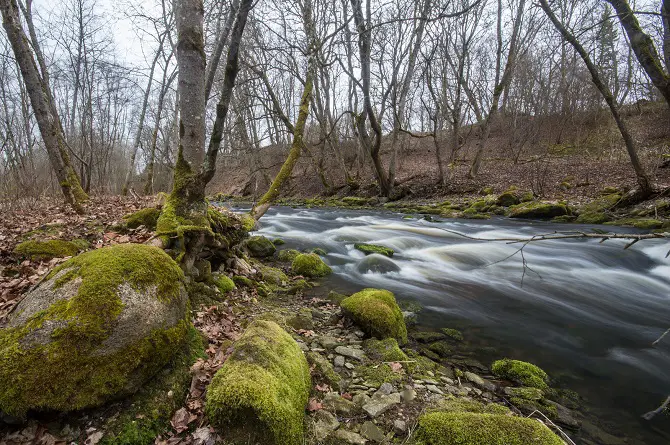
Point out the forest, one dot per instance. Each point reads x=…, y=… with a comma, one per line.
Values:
x=334, y=222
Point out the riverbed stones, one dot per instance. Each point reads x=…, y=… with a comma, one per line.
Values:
x=346, y=351
x=376, y=263
x=339, y=361
x=97, y=328
x=380, y=403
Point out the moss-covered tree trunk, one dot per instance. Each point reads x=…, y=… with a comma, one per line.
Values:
x=184, y=223
x=37, y=86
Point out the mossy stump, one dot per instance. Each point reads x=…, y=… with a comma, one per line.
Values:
x=377, y=313
x=97, y=328
x=310, y=265
x=263, y=387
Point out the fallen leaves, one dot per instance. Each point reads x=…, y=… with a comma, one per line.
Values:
x=314, y=405
x=181, y=419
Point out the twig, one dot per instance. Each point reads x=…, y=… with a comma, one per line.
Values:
x=651, y=414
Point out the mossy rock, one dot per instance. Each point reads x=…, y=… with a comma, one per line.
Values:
x=310, y=265
x=376, y=263
x=508, y=199
x=454, y=334
x=441, y=348
x=336, y=297
x=145, y=217
x=319, y=251
x=538, y=210
x=428, y=336
x=453, y=404
x=466, y=428
x=262, y=387
x=46, y=250
x=146, y=414
x=645, y=224
x=223, y=283
x=377, y=313
x=97, y=328
x=369, y=249
x=323, y=369
x=601, y=204
x=260, y=247
x=287, y=255
x=525, y=393
x=592, y=218
x=523, y=372
x=278, y=242
x=386, y=350
x=272, y=275
x=355, y=201
x=243, y=281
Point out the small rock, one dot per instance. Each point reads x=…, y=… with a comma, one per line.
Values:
x=430, y=382
x=564, y=416
x=350, y=352
x=334, y=402
x=349, y=365
x=386, y=389
x=328, y=342
x=359, y=334
x=380, y=403
x=434, y=389
x=408, y=395
x=360, y=400
x=474, y=378
x=400, y=426
x=325, y=424
x=339, y=361
x=372, y=432
x=349, y=437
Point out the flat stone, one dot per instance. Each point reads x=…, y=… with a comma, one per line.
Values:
x=360, y=400
x=350, y=352
x=408, y=395
x=334, y=402
x=400, y=426
x=474, y=378
x=339, y=361
x=434, y=389
x=328, y=342
x=372, y=432
x=349, y=365
x=381, y=403
x=325, y=424
x=564, y=416
x=430, y=382
x=386, y=388
x=349, y=437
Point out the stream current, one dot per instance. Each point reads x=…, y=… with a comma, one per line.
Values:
x=584, y=311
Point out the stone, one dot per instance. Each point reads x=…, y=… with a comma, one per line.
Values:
x=376, y=263
x=325, y=424
x=474, y=378
x=339, y=361
x=564, y=416
x=372, y=432
x=360, y=400
x=260, y=247
x=349, y=366
x=349, y=437
x=334, y=402
x=328, y=342
x=350, y=352
x=434, y=389
x=400, y=426
x=381, y=403
x=386, y=389
x=408, y=395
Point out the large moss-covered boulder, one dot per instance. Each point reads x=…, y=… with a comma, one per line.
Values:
x=260, y=247
x=310, y=265
x=97, y=328
x=263, y=387
x=46, y=250
x=468, y=428
x=538, y=210
x=369, y=249
x=377, y=313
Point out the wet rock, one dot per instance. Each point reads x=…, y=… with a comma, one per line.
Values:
x=350, y=352
x=564, y=416
x=260, y=247
x=377, y=264
x=372, y=432
x=349, y=437
x=325, y=424
x=380, y=403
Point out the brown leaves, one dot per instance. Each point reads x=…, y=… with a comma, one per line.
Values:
x=181, y=419
x=396, y=367
x=314, y=405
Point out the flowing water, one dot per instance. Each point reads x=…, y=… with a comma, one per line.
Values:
x=586, y=312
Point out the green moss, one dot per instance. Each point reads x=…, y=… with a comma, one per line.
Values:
x=528, y=406
x=441, y=348
x=323, y=369
x=260, y=246
x=427, y=336
x=386, y=350
x=355, y=201
x=298, y=286
x=242, y=281
x=147, y=414
x=145, y=217
x=377, y=313
x=453, y=404
x=508, y=199
x=264, y=385
x=378, y=374
x=287, y=255
x=46, y=250
x=67, y=372
x=646, y=224
x=310, y=265
x=525, y=393
x=538, y=210
x=272, y=275
x=527, y=197
x=223, y=283
x=319, y=251
x=278, y=242
x=373, y=248
x=592, y=218
x=453, y=333
x=454, y=428
x=526, y=373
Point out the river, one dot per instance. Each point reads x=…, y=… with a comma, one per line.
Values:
x=584, y=311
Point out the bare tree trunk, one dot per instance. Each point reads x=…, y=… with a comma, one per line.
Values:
x=643, y=179
x=41, y=101
x=218, y=50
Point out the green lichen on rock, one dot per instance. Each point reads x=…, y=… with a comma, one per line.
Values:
x=145, y=217
x=272, y=275
x=377, y=313
x=386, y=350
x=243, y=281
x=453, y=333
x=526, y=373
x=287, y=255
x=453, y=404
x=374, y=248
x=467, y=428
x=527, y=393
x=223, y=283
x=263, y=386
x=260, y=247
x=538, y=210
x=146, y=415
x=46, y=250
x=99, y=326
x=310, y=265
